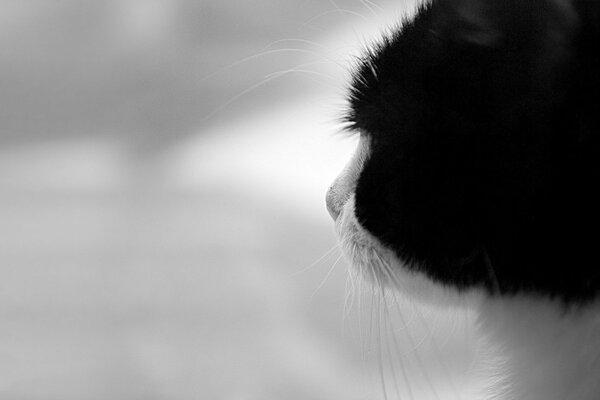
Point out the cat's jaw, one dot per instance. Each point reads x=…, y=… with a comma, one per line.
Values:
x=369, y=257
x=381, y=267
x=530, y=347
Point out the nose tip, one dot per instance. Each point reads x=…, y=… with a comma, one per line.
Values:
x=330, y=202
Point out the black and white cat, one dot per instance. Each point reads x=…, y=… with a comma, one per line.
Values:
x=475, y=180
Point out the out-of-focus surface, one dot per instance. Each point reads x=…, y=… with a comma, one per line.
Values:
x=163, y=166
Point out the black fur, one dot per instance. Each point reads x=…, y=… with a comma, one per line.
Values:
x=485, y=155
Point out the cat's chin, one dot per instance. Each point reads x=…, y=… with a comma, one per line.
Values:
x=381, y=267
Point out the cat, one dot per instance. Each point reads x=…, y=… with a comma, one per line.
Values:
x=474, y=181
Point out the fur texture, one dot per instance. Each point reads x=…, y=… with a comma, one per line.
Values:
x=475, y=180
x=484, y=152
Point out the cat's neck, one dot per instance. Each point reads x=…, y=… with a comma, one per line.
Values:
x=548, y=352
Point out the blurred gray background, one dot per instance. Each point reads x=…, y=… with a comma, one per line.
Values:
x=163, y=165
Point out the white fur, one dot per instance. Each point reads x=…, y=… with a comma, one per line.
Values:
x=529, y=347
x=551, y=353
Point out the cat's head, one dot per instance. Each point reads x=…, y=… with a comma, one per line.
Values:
x=478, y=156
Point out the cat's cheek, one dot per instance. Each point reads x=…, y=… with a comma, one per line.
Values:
x=381, y=267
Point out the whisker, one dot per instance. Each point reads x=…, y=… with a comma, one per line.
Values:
x=379, y=352
x=491, y=270
x=400, y=360
x=327, y=79
x=371, y=321
x=350, y=295
x=348, y=303
x=258, y=55
x=390, y=333
x=386, y=269
x=349, y=300
x=325, y=55
x=337, y=10
x=317, y=261
x=393, y=280
x=360, y=317
x=368, y=6
x=373, y=5
x=305, y=41
x=327, y=276
x=239, y=95
x=302, y=71
x=437, y=350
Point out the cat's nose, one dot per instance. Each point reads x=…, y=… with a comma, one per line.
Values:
x=345, y=184
x=332, y=204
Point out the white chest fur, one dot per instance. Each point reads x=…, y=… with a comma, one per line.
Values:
x=531, y=348
x=544, y=351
